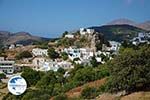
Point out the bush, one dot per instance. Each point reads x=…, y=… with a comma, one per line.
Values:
x=31, y=76
x=2, y=76
x=64, y=55
x=47, y=81
x=94, y=62
x=24, y=54
x=52, y=53
x=37, y=95
x=102, y=71
x=89, y=93
x=61, y=97
x=84, y=75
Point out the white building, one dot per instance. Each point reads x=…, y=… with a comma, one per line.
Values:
x=6, y=66
x=115, y=46
x=84, y=31
x=38, y=62
x=40, y=52
x=44, y=64
x=141, y=38
x=12, y=46
x=72, y=53
x=69, y=36
x=19, y=45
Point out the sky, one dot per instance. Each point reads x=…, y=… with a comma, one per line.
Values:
x=50, y=18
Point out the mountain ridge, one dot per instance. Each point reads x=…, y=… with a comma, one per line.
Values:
x=144, y=25
x=25, y=38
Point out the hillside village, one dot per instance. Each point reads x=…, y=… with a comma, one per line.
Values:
x=85, y=47
x=41, y=61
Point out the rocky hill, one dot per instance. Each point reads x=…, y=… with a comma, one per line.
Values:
x=25, y=38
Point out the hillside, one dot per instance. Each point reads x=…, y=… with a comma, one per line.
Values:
x=118, y=32
x=144, y=25
x=121, y=21
x=25, y=38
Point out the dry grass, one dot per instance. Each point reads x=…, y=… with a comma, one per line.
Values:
x=137, y=96
x=76, y=92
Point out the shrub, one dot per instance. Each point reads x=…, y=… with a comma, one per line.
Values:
x=52, y=53
x=64, y=55
x=61, y=97
x=24, y=54
x=89, y=93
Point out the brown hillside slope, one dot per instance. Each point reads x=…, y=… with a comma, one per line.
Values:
x=77, y=91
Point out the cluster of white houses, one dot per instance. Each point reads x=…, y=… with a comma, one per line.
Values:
x=41, y=61
x=84, y=55
x=141, y=38
x=44, y=64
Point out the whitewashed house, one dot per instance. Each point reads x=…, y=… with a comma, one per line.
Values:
x=54, y=65
x=38, y=62
x=40, y=52
x=43, y=64
x=141, y=38
x=115, y=46
x=72, y=53
x=6, y=66
x=85, y=31
x=69, y=36
x=12, y=46
x=19, y=45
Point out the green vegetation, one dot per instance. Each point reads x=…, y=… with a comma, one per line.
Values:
x=23, y=54
x=2, y=76
x=130, y=71
x=49, y=84
x=31, y=76
x=60, y=97
x=2, y=52
x=94, y=62
x=65, y=33
x=64, y=55
x=42, y=44
x=89, y=93
x=118, y=32
x=66, y=42
x=52, y=53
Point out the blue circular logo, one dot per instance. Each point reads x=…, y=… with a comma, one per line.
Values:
x=17, y=85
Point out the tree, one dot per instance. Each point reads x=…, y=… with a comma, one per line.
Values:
x=94, y=62
x=65, y=33
x=61, y=97
x=61, y=71
x=64, y=55
x=52, y=53
x=31, y=76
x=47, y=81
x=130, y=70
x=84, y=75
x=23, y=54
x=2, y=76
